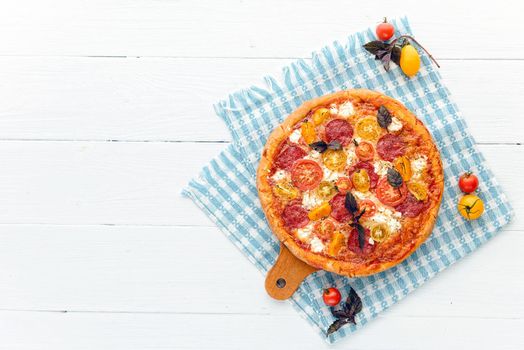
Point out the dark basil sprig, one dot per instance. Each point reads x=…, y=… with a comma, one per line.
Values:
x=394, y=178
x=350, y=309
x=351, y=206
x=351, y=203
x=384, y=117
x=321, y=146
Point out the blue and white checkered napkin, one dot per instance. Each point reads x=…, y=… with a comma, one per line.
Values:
x=225, y=190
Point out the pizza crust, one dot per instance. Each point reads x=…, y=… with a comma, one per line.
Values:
x=276, y=223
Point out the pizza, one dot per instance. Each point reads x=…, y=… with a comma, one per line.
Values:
x=351, y=182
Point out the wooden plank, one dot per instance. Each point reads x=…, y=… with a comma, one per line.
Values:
x=131, y=331
x=153, y=99
x=247, y=29
x=139, y=182
x=190, y=269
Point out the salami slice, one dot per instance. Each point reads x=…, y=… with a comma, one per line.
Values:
x=289, y=155
x=339, y=130
x=411, y=207
x=390, y=147
x=370, y=169
x=295, y=216
x=354, y=246
x=338, y=209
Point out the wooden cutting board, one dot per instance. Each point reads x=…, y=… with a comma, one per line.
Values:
x=285, y=276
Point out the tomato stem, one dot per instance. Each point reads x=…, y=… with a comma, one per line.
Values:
x=418, y=44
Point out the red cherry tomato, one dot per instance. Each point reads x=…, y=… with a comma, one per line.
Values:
x=468, y=182
x=306, y=174
x=389, y=195
x=343, y=184
x=385, y=30
x=369, y=206
x=365, y=151
x=331, y=296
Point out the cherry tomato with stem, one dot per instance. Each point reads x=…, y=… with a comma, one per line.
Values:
x=385, y=30
x=331, y=296
x=468, y=182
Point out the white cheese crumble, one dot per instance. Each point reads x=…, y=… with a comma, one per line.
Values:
x=304, y=232
x=280, y=174
x=387, y=217
x=314, y=155
x=310, y=200
x=295, y=136
x=362, y=195
x=316, y=245
x=345, y=109
x=371, y=241
x=418, y=165
x=381, y=167
x=330, y=175
x=333, y=109
x=396, y=125
x=351, y=157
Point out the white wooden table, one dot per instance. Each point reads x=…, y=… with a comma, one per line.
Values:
x=106, y=112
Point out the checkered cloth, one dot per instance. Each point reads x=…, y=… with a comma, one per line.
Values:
x=225, y=189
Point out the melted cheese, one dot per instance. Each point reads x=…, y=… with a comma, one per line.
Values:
x=396, y=125
x=388, y=217
x=330, y=175
x=316, y=245
x=381, y=167
x=305, y=232
x=310, y=200
x=295, y=136
x=418, y=165
x=314, y=155
x=281, y=174
x=346, y=109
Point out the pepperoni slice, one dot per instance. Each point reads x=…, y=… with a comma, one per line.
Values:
x=370, y=169
x=295, y=216
x=338, y=209
x=411, y=207
x=355, y=247
x=339, y=130
x=390, y=147
x=288, y=155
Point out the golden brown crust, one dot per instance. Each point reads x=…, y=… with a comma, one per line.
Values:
x=271, y=149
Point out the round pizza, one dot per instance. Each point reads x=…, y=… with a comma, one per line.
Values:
x=351, y=182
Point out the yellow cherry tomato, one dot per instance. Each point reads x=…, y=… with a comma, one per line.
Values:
x=285, y=190
x=403, y=166
x=319, y=212
x=334, y=159
x=320, y=115
x=368, y=128
x=379, y=232
x=471, y=207
x=409, y=60
x=308, y=132
x=336, y=243
x=326, y=189
x=360, y=179
x=418, y=190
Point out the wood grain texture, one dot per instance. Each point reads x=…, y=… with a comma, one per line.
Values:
x=98, y=248
x=284, y=278
x=271, y=28
x=153, y=269
x=154, y=99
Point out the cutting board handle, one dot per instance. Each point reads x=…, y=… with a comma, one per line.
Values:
x=286, y=275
